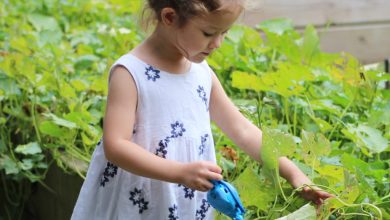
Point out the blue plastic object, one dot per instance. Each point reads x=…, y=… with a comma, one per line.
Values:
x=224, y=198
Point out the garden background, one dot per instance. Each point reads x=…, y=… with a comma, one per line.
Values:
x=326, y=111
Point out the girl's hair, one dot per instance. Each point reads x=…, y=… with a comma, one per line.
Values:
x=185, y=9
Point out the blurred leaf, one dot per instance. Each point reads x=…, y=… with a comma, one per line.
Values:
x=43, y=22
x=311, y=43
x=8, y=165
x=85, y=61
x=60, y=121
x=30, y=148
x=243, y=80
x=315, y=145
x=50, y=128
x=369, y=137
x=277, y=26
x=27, y=164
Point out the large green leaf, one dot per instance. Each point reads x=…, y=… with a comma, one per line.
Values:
x=314, y=146
x=50, y=128
x=366, y=136
x=275, y=145
x=30, y=148
x=243, y=80
x=253, y=191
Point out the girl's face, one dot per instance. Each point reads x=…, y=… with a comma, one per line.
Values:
x=201, y=35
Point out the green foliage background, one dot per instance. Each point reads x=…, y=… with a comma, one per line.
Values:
x=326, y=112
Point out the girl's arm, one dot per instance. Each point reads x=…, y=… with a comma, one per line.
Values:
x=249, y=137
x=118, y=130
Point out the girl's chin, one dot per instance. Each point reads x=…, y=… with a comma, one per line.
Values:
x=198, y=59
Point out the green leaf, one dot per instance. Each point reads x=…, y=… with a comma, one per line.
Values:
x=9, y=86
x=67, y=91
x=322, y=124
x=43, y=22
x=353, y=164
x=60, y=121
x=10, y=166
x=306, y=212
x=79, y=85
x=315, y=144
x=277, y=26
x=368, y=137
x=86, y=61
x=50, y=128
x=326, y=105
x=29, y=149
x=334, y=174
x=26, y=164
x=243, y=80
x=49, y=37
x=253, y=191
x=275, y=145
x=311, y=43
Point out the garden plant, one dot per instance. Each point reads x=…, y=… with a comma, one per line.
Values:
x=326, y=112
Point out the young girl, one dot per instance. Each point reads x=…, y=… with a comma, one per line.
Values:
x=157, y=156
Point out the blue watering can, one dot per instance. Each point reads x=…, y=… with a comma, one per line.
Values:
x=224, y=198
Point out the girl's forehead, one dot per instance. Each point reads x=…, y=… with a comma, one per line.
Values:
x=220, y=19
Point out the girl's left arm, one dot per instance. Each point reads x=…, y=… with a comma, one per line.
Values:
x=249, y=138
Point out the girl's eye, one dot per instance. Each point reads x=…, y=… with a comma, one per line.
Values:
x=207, y=34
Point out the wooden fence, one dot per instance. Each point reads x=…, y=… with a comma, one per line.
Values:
x=359, y=27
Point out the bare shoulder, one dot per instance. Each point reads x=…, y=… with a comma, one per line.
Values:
x=122, y=88
x=121, y=105
x=120, y=72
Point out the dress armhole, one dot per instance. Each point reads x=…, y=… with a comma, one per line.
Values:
x=132, y=75
x=210, y=71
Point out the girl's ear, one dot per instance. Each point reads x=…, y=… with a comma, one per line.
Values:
x=169, y=16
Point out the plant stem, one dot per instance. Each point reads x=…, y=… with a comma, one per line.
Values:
x=34, y=118
x=286, y=113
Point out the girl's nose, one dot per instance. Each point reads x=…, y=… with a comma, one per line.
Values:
x=216, y=42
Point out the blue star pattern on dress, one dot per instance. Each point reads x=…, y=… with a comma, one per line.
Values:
x=136, y=196
x=173, y=213
x=188, y=193
x=202, y=94
x=177, y=131
x=162, y=148
x=109, y=172
x=152, y=73
x=201, y=213
x=203, y=143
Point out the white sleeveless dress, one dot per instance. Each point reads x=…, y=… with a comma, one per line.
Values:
x=173, y=122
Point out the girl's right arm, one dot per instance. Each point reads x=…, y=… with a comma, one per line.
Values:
x=117, y=132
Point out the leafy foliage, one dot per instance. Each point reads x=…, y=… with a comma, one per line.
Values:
x=324, y=111
x=316, y=108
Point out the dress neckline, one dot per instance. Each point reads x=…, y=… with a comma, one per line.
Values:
x=163, y=71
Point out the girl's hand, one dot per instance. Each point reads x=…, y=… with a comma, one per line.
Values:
x=197, y=175
x=315, y=194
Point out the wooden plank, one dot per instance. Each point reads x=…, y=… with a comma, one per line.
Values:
x=369, y=43
x=319, y=12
